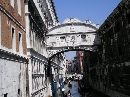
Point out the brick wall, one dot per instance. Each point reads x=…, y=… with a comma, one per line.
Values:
x=7, y=23
x=14, y=11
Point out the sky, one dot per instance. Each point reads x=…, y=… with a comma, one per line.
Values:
x=96, y=11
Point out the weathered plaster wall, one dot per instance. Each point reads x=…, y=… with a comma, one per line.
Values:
x=12, y=78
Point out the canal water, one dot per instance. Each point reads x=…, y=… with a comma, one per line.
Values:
x=73, y=90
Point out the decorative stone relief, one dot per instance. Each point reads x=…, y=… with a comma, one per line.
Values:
x=74, y=35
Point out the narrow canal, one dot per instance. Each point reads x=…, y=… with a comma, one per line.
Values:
x=73, y=90
x=77, y=91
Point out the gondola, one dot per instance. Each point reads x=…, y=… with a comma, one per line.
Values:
x=69, y=85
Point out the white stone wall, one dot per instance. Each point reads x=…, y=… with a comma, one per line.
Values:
x=81, y=27
x=58, y=41
x=39, y=85
x=12, y=78
x=38, y=82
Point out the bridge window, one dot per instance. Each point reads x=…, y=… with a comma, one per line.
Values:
x=72, y=38
x=62, y=39
x=83, y=36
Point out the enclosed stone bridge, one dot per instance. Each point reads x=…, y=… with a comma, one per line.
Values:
x=72, y=34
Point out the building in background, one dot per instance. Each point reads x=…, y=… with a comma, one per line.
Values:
x=79, y=56
x=75, y=63
x=69, y=66
x=13, y=61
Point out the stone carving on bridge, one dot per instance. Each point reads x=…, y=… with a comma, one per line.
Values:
x=72, y=34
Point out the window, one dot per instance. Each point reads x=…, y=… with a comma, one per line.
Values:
x=62, y=38
x=83, y=36
x=20, y=44
x=101, y=78
x=26, y=89
x=18, y=91
x=5, y=95
x=121, y=81
x=12, y=3
x=19, y=6
x=117, y=26
x=13, y=39
x=111, y=53
x=110, y=33
x=119, y=50
x=112, y=80
x=128, y=17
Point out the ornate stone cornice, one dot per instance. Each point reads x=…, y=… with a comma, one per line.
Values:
x=34, y=55
x=68, y=24
x=11, y=18
x=37, y=92
x=93, y=32
x=12, y=57
x=45, y=62
x=52, y=5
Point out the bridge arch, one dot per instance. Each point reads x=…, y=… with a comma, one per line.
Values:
x=50, y=66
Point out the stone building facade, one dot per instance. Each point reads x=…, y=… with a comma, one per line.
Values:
x=13, y=61
x=58, y=68
x=109, y=65
x=40, y=16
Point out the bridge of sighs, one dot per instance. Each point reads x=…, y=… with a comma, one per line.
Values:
x=72, y=34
